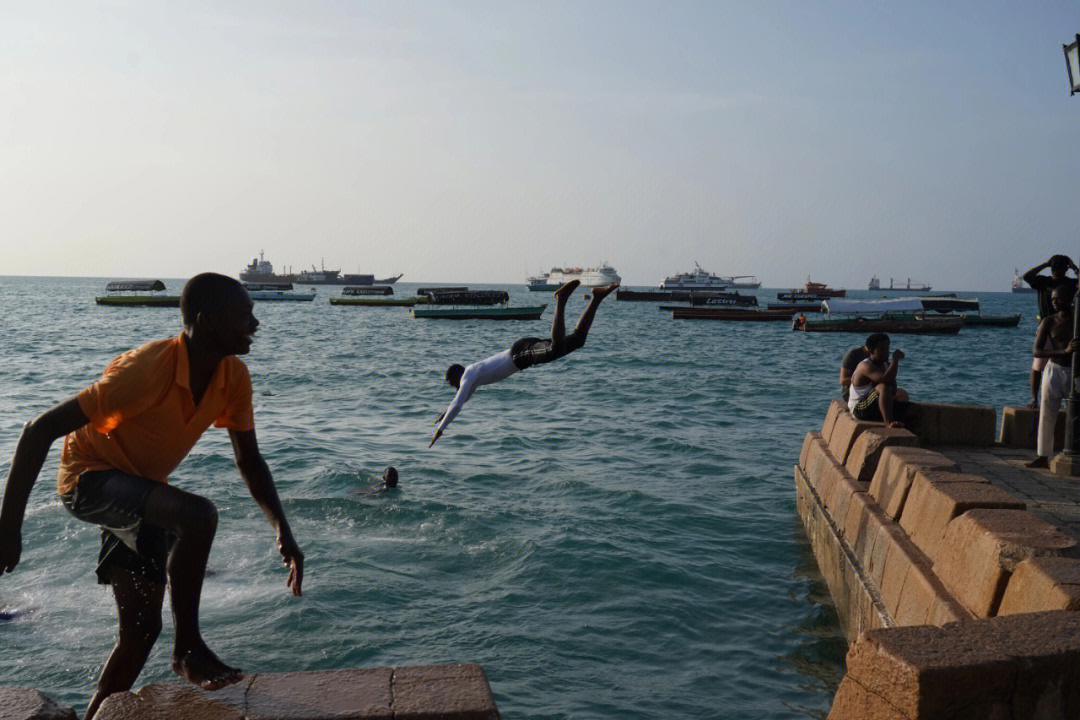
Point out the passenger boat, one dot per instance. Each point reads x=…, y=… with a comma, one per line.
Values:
x=375, y=296
x=277, y=291
x=1018, y=284
x=723, y=300
x=733, y=314
x=589, y=277
x=447, y=288
x=875, y=284
x=141, y=294
x=699, y=279
x=475, y=305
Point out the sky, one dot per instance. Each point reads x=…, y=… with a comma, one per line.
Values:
x=486, y=141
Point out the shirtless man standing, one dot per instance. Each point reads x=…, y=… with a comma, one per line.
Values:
x=525, y=353
x=873, y=395
x=1054, y=341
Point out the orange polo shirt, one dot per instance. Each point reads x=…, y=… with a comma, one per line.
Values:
x=143, y=420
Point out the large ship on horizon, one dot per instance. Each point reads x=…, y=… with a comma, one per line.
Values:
x=259, y=270
x=875, y=284
x=1018, y=284
x=589, y=277
x=699, y=279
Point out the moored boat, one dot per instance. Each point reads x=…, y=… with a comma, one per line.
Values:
x=899, y=323
x=142, y=294
x=480, y=313
x=589, y=277
x=732, y=314
x=811, y=291
x=698, y=279
x=741, y=282
x=277, y=291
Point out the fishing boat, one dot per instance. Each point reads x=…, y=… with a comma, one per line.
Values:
x=811, y=291
x=909, y=286
x=589, y=277
x=944, y=305
x=652, y=295
x=732, y=314
x=447, y=288
x=389, y=280
x=540, y=282
x=277, y=291
x=475, y=305
x=811, y=307
x=142, y=293
x=1018, y=284
x=699, y=279
x=375, y=296
x=901, y=315
x=723, y=300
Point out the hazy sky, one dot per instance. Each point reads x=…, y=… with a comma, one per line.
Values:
x=480, y=142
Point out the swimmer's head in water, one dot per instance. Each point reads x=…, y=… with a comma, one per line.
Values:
x=389, y=477
x=453, y=375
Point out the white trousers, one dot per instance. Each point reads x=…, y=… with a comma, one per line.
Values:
x=1055, y=387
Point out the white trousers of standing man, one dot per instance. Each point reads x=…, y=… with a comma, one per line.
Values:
x=1056, y=380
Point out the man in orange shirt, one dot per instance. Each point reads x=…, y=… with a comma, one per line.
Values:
x=124, y=435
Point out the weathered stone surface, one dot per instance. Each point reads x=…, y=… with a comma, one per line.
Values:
x=338, y=694
x=836, y=409
x=925, y=600
x=895, y=471
x=981, y=548
x=1022, y=666
x=936, y=498
x=862, y=460
x=899, y=558
x=1020, y=428
x=839, y=496
x=819, y=461
x=442, y=692
x=18, y=703
x=810, y=438
x=176, y=701
x=845, y=433
x=947, y=424
x=1043, y=583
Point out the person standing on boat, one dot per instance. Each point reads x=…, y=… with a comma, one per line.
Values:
x=523, y=354
x=1045, y=285
x=125, y=434
x=873, y=393
x=1054, y=341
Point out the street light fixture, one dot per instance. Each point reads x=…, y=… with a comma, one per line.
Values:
x=1072, y=64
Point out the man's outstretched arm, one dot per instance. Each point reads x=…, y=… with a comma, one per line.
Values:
x=260, y=484
x=37, y=437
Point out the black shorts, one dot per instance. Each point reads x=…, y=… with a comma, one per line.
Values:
x=530, y=351
x=869, y=409
x=117, y=502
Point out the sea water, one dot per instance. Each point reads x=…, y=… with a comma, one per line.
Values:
x=612, y=535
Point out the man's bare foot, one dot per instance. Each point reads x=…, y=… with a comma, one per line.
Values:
x=602, y=292
x=566, y=290
x=203, y=668
x=1039, y=462
x=896, y=424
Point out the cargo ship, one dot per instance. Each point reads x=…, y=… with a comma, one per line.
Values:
x=259, y=270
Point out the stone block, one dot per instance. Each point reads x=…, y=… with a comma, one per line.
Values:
x=862, y=460
x=947, y=424
x=946, y=610
x=18, y=703
x=322, y=695
x=176, y=701
x=917, y=595
x=873, y=520
x=982, y=547
x=845, y=433
x=887, y=536
x=836, y=504
x=936, y=498
x=1043, y=583
x=895, y=471
x=818, y=462
x=1021, y=666
x=836, y=409
x=899, y=558
x=810, y=438
x=1020, y=428
x=443, y=692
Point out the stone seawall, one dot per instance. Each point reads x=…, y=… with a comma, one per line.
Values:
x=920, y=551
x=429, y=692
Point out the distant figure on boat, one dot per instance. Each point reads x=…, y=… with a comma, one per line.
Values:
x=524, y=353
x=389, y=482
x=1054, y=341
x=1045, y=284
x=873, y=393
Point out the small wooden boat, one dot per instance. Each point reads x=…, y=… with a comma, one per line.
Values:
x=980, y=320
x=440, y=296
x=900, y=323
x=379, y=301
x=707, y=313
x=480, y=313
x=448, y=288
x=732, y=299
x=354, y=290
x=810, y=291
x=277, y=291
x=797, y=307
x=388, y=281
x=139, y=296
x=652, y=295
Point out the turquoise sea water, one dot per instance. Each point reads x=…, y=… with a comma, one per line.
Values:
x=611, y=536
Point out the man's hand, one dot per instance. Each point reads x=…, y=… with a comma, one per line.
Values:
x=439, y=419
x=294, y=560
x=438, y=434
x=10, y=550
x=1074, y=345
x=898, y=354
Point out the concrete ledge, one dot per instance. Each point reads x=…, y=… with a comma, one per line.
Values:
x=845, y=433
x=442, y=692
x=836, y=409
x=896, y=470
x=18, y=703
x=862, y=460
x=1022, y=666
x=947, y=424
x=981, y=548
x=807, y=442
x=938, y=497
x=1020, y=428
x=1045, y=583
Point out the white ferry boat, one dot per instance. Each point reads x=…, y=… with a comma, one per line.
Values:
x=697, y=280
x=589, y=277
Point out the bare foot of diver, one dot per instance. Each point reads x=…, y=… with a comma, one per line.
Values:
x=602, y=292
x=203, y=668
x=567, y=289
